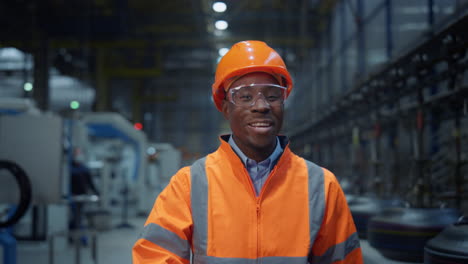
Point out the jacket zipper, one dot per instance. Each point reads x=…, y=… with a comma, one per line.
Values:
x=258, y=200
x=258, y=231
x=257, y=204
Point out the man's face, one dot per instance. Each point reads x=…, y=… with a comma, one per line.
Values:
x=254, y=128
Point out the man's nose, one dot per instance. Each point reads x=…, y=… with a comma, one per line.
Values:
x=260, y=102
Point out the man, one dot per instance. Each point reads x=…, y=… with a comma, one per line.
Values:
x=252, y=200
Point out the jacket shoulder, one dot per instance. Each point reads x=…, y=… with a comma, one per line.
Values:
x=313, y=168
x=182, y=177
x=329, y=179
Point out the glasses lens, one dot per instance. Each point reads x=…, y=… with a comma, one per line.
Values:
x=248, y=95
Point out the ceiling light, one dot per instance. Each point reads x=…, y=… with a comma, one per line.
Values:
x=221, y=24
x=222, y=51
x=219, y=7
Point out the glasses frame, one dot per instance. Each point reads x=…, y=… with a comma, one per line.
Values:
x=230, y=92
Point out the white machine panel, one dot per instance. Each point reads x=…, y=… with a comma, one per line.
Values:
x=35, y=143
x=170, y=160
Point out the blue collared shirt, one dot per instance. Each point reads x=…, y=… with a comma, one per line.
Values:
x=258, y=171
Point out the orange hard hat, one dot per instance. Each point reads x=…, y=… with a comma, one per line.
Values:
x=246, y=57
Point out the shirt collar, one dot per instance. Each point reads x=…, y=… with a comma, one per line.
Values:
x=272, y=158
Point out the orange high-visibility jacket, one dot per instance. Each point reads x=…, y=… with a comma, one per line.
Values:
x=211, y=210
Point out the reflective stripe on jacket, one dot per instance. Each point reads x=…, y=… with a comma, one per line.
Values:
x=211, y=209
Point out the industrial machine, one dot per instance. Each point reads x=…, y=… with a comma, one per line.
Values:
x=163, y=162
x=25, y=135
x=450, y=245
x=119, y=151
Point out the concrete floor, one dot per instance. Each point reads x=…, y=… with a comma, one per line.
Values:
x=115, y=247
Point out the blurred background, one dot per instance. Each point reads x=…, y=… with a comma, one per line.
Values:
x=101, y=102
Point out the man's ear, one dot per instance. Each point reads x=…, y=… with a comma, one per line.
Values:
x=225, y=109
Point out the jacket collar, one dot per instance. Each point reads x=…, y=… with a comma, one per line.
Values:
x=284, y=141
x=234, y=158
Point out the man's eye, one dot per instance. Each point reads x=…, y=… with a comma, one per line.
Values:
x=246, y=97
x=273, y=98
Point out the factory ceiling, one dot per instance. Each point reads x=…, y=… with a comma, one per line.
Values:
x=141, y=45
x=155, y=40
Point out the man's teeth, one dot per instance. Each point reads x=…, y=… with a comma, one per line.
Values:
x=260, y=124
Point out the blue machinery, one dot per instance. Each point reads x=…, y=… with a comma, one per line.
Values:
x=8, y=243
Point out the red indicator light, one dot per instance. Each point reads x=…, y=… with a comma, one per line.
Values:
x=138, y=126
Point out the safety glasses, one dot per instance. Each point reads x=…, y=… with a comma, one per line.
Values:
x=247, y=95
